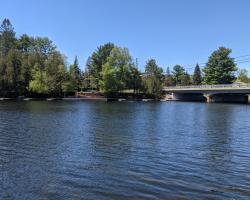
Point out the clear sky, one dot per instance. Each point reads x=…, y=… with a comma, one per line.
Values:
x=171, y=31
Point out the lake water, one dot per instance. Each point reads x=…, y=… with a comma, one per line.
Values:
x=126, y=150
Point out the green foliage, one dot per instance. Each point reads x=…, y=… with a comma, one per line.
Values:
x=117, y=72
x=89, y=82
x=29, y=65
x=39, y=82
x=34, y=66
x=52, y=80
x=220, y=68
x=97, y=60
x=243, y=76
x=11, y=79
x=177, y=72
x=44, y=47
x=169, y=80
x=185, y=79
x=25, y=43
x=7, y=37
x=75, y=76
x=109, y=84
x=197, y=78
x=56, y=74
x=153, y=79
x=135, y=81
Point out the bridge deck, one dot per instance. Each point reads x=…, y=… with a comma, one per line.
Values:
x=229, y=87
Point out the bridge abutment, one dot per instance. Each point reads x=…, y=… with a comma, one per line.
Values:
x=230, y=98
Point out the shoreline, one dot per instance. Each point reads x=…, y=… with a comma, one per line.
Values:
x=81, y=99
x=77, y=99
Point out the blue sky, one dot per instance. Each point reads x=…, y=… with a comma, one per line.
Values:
x=171, y=31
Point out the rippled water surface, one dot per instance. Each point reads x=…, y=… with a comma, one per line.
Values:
x=99, y=150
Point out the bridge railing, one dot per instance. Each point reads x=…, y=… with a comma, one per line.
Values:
x=235, y=85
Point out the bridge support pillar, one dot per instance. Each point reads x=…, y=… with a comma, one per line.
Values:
x=209, y=98
x=249, y=98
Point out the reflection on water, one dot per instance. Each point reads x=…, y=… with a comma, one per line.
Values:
x=97, y=150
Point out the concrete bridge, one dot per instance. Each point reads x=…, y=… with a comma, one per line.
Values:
x=238, y=92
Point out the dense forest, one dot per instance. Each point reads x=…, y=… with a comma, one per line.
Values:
x=34, y=67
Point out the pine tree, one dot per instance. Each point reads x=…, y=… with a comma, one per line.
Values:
x=75, y=75
x=7, y=43
x=197, y=78
x=220, y=68
x=13, y=73
x=7, y=37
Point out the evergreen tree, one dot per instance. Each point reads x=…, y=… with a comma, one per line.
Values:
x=220, y=68
x=177, y=72
x=7, y=37
x=8, y=56
x=75, y=75
x=25, y=44
x=13, y=73
x=197, y=78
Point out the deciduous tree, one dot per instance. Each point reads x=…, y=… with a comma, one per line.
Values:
x=97, y=60
x=243, y=76
x=177, y=72
x=117, y=71
x=153, y=78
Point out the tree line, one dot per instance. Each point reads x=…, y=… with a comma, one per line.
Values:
x=33, y=66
